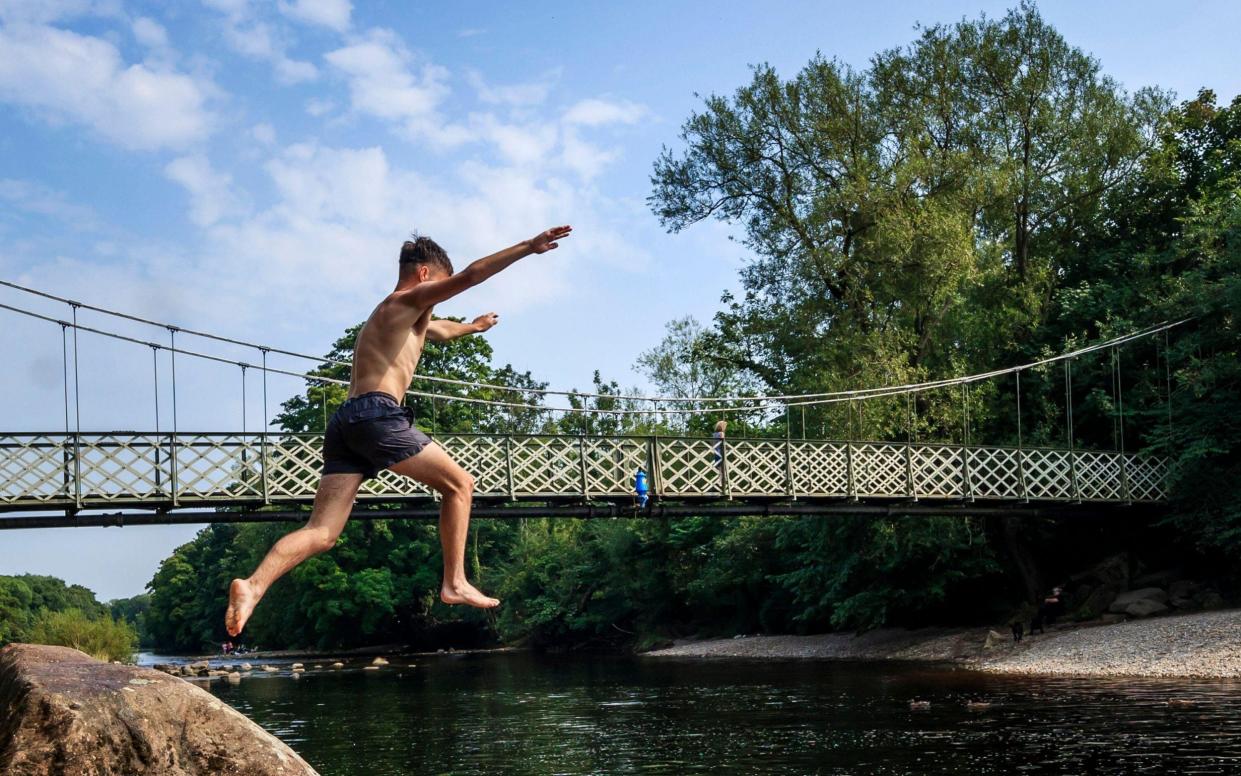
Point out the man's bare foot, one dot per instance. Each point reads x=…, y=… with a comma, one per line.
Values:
x=241, y=602
x=465, y=593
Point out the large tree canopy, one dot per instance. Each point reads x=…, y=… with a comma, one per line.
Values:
x=911, y=218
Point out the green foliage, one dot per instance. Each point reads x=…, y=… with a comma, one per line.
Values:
x=25, y=597
x=1171, y=249
x=44, y=610
x=863, y=572
x=103, y=638
x=132, y=611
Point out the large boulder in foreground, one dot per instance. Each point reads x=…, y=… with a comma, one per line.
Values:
x=64, y=713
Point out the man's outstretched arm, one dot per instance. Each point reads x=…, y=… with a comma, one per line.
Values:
x=444, y=330
x=433, y=292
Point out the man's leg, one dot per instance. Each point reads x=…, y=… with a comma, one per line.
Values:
x=434, y=468
x=333, y=502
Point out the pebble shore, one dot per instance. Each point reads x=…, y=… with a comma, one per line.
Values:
x=1206, y=644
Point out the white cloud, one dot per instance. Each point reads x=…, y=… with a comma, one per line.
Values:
x=45, y=11
x=150, y=33
x=471, y=32
x=518, y=95
x=596, y=112
x=36, y=198
x=264, y=133
x=333, y=14
x=386, y=81
x=211, y=194
x=230, y=7
x=252, y=37
x=584, y=158
x=382, y=82
x=318, y=106
x=520, y=144
x=65, y=76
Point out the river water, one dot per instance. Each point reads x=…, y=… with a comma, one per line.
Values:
x=518, y=713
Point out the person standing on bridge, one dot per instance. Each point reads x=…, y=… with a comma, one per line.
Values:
x=372, y=430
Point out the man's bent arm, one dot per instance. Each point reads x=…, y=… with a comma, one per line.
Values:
x=445, y=330
x=433, y=292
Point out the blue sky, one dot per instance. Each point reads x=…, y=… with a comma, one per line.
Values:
x=250, y=168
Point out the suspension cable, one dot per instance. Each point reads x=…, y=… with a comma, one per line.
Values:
x=803, y=399
x=796, y=398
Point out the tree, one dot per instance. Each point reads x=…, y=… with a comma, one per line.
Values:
x=682, y=366
x=892, y=212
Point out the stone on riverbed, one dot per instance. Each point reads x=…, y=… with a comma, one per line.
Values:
x=1140, y=603
x=247, y=667
x=379, y=661
x=66, y=713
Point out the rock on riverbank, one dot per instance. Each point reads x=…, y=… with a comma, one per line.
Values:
x=1192, y=645
x=63, y=713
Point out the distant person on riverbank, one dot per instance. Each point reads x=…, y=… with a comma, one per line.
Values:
x=373, y=430
x=1051, y=608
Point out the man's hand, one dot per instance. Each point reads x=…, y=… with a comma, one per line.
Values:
x=547, y=241
x=484, y=322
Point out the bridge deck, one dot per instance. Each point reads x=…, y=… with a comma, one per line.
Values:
x=158, y=471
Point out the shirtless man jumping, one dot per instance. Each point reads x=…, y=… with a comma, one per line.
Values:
x=372, y=430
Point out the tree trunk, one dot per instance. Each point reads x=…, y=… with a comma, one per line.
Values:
x=1022, y=563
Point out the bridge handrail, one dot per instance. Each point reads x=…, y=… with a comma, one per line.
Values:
x=170, y=470
x=183, y=434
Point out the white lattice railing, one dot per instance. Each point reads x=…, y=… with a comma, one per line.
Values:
x=126, y=468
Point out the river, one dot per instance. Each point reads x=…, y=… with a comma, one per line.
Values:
x=525, y=714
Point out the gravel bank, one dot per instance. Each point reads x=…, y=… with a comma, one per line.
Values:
x=1191, y=645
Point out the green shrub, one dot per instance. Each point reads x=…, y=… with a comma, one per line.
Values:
x=102, y=638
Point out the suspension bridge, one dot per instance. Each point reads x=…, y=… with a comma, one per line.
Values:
x=74, y=477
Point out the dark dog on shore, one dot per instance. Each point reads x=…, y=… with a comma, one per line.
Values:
x=1018, y=631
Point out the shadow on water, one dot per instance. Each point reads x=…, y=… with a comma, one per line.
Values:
x=526, y=714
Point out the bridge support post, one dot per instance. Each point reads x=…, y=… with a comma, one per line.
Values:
x=1021, y=475
x=850, y=480
x=581, y=457
x=653, y=466
x=789, y=489
x=967, y=485
x=508, y=467
x=266, y=462
x=77, y=470
x=909, y=473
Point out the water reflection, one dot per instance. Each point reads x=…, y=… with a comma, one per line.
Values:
x=521, y=714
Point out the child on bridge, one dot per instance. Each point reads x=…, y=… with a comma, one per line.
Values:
x=373, y=430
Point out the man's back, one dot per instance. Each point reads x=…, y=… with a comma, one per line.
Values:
x=386, y=353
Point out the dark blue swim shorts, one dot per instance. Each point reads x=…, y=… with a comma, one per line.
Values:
x=369, y=433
